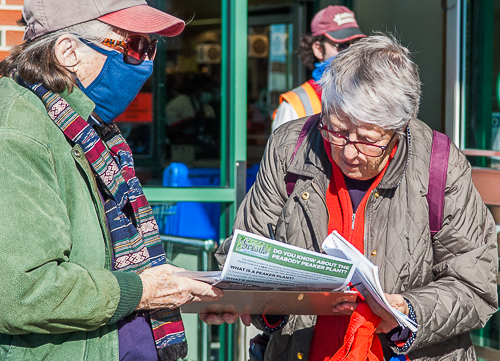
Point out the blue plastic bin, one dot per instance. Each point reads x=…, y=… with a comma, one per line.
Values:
x=193, y=219
x=196, y=219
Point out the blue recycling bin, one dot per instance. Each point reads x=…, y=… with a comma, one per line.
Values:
x=193, y=219
x=196, y=219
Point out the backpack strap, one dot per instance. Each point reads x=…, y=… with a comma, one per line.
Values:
x=438, y=169
x=291, y=178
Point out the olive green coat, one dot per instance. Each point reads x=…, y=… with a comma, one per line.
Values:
x=450, y=281
x=58, y=298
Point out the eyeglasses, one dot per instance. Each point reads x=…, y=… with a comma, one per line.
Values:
x=135, y=48
x=368, y=149
x=343, y=46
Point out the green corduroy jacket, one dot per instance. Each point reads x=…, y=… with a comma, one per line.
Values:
x=58, y=298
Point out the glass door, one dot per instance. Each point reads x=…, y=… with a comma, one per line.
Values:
x=274, y=29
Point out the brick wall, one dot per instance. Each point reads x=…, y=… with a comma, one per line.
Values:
x=10, y=32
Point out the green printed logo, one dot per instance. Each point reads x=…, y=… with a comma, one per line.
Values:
x=253, y=247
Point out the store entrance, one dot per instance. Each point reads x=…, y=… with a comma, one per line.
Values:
x=273, y=67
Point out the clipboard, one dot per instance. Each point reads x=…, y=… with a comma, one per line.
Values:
x=273, y=302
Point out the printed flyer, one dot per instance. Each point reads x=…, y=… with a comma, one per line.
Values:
x=365, y=276
x=256, y=262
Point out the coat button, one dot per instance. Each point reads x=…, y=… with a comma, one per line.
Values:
x=300, y=355
x=305, y=196
x=374, y=253
x=376, y=195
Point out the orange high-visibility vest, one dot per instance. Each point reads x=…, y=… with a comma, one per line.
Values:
x=303, y=99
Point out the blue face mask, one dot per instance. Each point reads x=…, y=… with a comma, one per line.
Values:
x=320, y=68
x=116, y=85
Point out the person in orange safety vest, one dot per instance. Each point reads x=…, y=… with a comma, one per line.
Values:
x=333, y=29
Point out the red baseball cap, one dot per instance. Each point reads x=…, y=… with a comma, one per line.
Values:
x=46, y=16
x=337, y=23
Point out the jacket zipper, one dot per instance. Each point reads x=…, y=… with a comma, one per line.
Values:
x=366, y=222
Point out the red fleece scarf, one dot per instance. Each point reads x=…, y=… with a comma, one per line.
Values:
x=347, y=338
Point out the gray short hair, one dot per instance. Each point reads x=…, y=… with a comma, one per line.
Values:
x=373, y=82
x=36, y=62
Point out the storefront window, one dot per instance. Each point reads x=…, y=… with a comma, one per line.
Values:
x=176, y=117
x=274, y=29
x=192, y=86
x=269, y=75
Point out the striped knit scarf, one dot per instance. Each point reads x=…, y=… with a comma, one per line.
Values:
x=134, y=232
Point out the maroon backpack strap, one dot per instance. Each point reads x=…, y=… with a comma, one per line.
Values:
x=438, y=169
x=291, y=178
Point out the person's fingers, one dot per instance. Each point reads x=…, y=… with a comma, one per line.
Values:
x=230, y=317
x=345, y=308
x=162, y=290
x=203, y=317
x=211, y=318
x=205, y=298
x=376, y=308
x=388, y=321
x=246, y=319
x=200, y=289
x=398, y=302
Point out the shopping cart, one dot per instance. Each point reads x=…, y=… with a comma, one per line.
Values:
x=164, y=213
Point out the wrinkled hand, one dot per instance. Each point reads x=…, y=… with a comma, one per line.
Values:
x=345, y=308
x=161, y=289
x=388, y=321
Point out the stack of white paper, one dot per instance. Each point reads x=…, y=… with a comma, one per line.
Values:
x=365, y=276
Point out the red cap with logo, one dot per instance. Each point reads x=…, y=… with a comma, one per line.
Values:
x=337, y=23
x=46, y=16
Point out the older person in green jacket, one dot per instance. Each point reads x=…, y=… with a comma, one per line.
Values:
x=83, y=272
x=363, y=169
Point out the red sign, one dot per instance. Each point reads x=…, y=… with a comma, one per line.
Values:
x=139, y=111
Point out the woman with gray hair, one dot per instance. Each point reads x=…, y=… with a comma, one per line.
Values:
x=362, y=168
x=84, y=275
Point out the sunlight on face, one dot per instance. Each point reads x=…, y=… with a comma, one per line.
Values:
x=353, y=163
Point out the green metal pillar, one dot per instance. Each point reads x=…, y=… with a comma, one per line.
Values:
x=234, y=91
x=233, y=136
